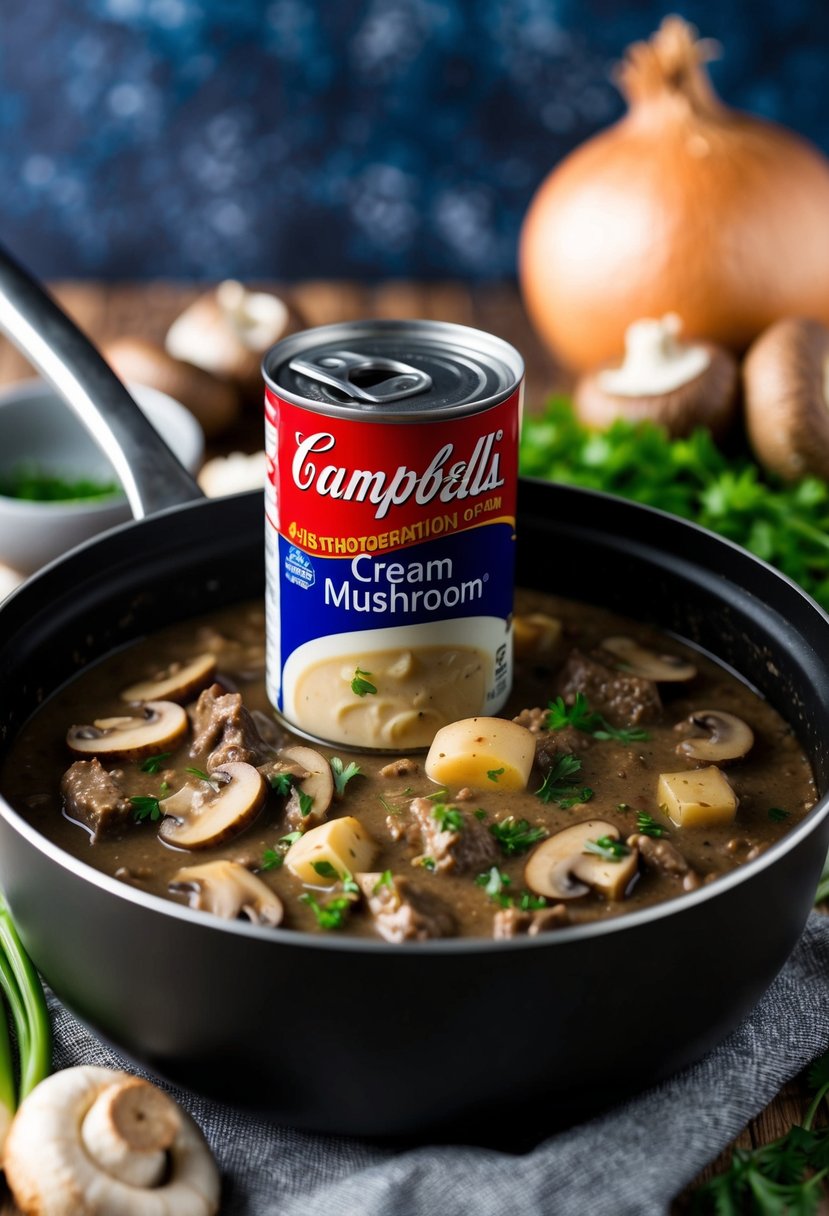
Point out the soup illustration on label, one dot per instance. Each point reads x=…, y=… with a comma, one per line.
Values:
x=390, y=528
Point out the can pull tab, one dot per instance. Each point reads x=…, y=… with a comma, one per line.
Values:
x=364, y=377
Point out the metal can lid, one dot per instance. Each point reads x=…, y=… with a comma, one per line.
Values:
x=393, y=370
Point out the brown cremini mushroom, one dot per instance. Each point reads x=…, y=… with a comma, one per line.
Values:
x=227, y=331
x=216, y=810
x=177, y=682
x=229, y=890
x=560, y=868
x=156, y=726
x=639, y=660
x=786, y=389
x=680, y=385
x=96, y=1141
x=317, y=785
x=718, y=737
x=213, y=402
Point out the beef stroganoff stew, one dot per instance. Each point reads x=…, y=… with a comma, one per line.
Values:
x=627, y=769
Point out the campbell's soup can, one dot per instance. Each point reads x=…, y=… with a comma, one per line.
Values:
x=392, y=453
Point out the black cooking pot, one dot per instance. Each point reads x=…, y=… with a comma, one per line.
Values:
x=355, y=1035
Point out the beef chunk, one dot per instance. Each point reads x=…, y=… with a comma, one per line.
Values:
x=223, y=728
x=512, y=922
x=662, y=857
x=551, y=744
x=624, y=699
x=403, y=912
x=464, y=849
x=93, y=797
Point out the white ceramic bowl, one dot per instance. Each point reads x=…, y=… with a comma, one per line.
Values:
x=37, y=428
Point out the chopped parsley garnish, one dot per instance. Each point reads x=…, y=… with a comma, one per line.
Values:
x=324, y=869
x=556, y=787
x=330, y=915
x=164, y=788
x=494, y=773
x=436, y=796
x=428, y=863
x=516, y=835
x=448, y=818
x=527, y=902
x=581, y=717
x=777, y=814
x=646, y=825
x=272, y=859
x=153, y=764
x=343, y=774
x=283, y=783
x=359, y=685
x=480, y=813
x=607, y=847
x=203, y=776
x=146, y=807
x=494, y=883
x=386, y=879
x=306, y=803
x=391, y=810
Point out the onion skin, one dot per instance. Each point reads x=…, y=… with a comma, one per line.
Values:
x=682, y=206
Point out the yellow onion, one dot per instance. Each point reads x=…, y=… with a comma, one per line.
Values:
x=683, y=206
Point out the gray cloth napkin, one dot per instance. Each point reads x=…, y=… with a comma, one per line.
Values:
x=629, y=1162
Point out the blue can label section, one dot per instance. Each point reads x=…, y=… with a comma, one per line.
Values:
x=467, y=574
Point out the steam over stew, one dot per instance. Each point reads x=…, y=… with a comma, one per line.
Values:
x=628, y=770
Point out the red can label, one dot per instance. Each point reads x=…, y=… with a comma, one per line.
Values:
x=390, y=556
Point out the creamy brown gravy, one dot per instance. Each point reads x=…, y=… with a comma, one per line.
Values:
x=776, y=773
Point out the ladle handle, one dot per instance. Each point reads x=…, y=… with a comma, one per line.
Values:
x=150, y=474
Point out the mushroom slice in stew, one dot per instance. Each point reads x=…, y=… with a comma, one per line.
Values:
x=311, y=795
x=718, y=737
x=215, y=811
x=177, y=682
x=227, y=889
x=639, y=660
x=157, y=725
x=586, y=856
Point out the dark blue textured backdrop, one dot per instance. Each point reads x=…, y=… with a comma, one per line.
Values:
x=292, y=138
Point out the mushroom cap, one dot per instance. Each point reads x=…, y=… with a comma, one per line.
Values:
x=558, y=868
x=213, y=402
x=709, y=399
x=535, y=634
x=198, y=818
x=229, y=890
x=317, y=784
x=722, y=736
x=177, y=682
x=52, y=1168
x=157, y=725
x=786, y=406
x=639, y=660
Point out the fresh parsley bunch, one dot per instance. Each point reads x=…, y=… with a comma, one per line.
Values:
x=785, y=525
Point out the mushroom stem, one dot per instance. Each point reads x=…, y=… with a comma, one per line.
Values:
x=128, y=1129
x=655, y=362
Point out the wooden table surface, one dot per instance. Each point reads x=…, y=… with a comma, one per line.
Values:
x=110, y=310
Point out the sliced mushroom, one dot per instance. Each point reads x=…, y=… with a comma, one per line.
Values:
x=158, y=725
x=786, y=388
x=177, y=682
x=219, y=809
x=317, y=784
x=559, y=868
x=680, y=385
x=228, y=890
x=535, y=634
x=640, y=660
x=720, y=737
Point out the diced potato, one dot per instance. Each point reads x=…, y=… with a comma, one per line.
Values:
x=490, y=753
x=700, y=798
x=342, y=843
